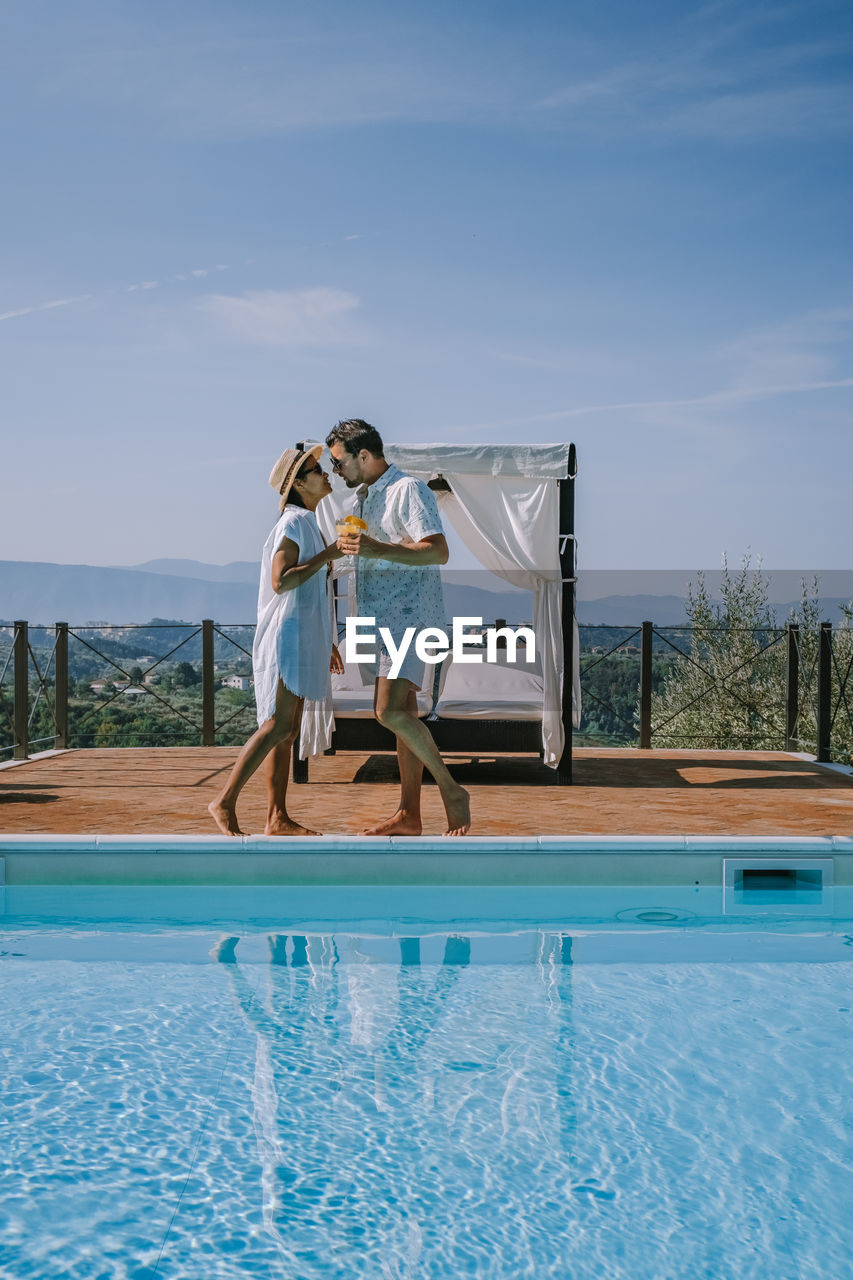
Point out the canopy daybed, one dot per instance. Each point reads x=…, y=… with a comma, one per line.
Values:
x=513, y=507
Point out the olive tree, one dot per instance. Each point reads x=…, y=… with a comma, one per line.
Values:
x=727, y=689
x=728, y=686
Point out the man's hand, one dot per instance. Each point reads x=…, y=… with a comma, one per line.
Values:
x=336, y=666
x=359, y=543
x=347, y=543
x=430, y=550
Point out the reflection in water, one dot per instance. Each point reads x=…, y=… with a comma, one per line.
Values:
x=394, y=1101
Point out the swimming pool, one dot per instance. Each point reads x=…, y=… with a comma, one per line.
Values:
x=427, y=1081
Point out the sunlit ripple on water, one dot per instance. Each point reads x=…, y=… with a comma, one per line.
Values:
x=350, y=1119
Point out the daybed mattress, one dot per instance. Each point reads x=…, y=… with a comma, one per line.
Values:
x=352, y=700
x=490, y=692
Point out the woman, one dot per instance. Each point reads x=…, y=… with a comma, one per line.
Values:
x=293, y=640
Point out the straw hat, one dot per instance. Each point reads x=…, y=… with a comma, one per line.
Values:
x=285, y=470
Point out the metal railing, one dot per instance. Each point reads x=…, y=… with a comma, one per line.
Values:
x=810, y=711
x=40, y=682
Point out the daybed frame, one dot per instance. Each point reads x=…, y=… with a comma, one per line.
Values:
x=488, y=736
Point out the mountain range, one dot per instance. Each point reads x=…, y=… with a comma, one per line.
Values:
x=189, y=590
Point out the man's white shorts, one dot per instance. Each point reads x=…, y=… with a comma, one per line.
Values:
x=412, y=668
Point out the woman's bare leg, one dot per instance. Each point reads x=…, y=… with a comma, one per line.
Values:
x=282, y=727
x=277, y=773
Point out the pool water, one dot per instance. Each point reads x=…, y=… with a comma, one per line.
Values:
x=420, y=1099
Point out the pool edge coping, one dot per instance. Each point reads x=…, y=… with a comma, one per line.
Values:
x=578, y=842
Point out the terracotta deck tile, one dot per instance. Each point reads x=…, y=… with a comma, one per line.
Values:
x=616, y=792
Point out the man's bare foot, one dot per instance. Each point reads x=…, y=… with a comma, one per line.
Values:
x=281, y=825
x=402, y=823
x=225, y=818
x=458, y=808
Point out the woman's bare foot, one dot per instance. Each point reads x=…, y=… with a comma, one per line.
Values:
x=402, y=823
x=223, y=950
x=281, y=825
x=225, y=818
x=458, y=808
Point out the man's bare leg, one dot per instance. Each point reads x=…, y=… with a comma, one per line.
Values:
x=277, y=773
x=393, y=710
x=282, y=727
x=407, y=820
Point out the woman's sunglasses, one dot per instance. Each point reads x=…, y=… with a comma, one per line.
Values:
x=308, y=471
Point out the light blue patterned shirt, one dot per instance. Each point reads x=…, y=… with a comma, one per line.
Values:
x=399, y=508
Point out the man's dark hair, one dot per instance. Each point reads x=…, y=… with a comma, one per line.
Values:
x=355, y=434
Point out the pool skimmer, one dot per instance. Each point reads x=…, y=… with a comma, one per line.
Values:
x=777, y=886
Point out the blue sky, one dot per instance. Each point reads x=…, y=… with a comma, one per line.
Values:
x=228, y=225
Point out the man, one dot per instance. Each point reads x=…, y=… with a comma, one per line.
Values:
x=398, y=584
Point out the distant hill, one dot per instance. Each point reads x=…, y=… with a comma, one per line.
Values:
x=670, y=611
x=245, y=571
x=191, y=590
x=614, y=611
x=783, y=584
x=77, y=593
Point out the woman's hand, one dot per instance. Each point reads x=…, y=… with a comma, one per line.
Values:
x=361, y=544
x=336, y=666
x=347, y=543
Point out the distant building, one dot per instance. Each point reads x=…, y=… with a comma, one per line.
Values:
x=98, y=686
x=243, y=683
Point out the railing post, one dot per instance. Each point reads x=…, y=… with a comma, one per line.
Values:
x=60, y=740
x=824, y=694
x=646, y=687
x=208, y=709
x=22, y=691
x=792, y=697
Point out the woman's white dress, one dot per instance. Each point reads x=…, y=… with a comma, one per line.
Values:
x=293, y=639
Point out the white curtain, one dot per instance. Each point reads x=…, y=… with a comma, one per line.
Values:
x=318, y=718
x=511, y=524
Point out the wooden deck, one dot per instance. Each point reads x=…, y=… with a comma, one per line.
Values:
x=616, y=792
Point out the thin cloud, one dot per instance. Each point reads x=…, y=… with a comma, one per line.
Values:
x=45, y=306
x=799, y=112
x=709, y=84
x=287, y=318
x=808, y=353
x=198, y=274
x=718, y=72
x=726, y=396
x=802, y=349
x=294, y=75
